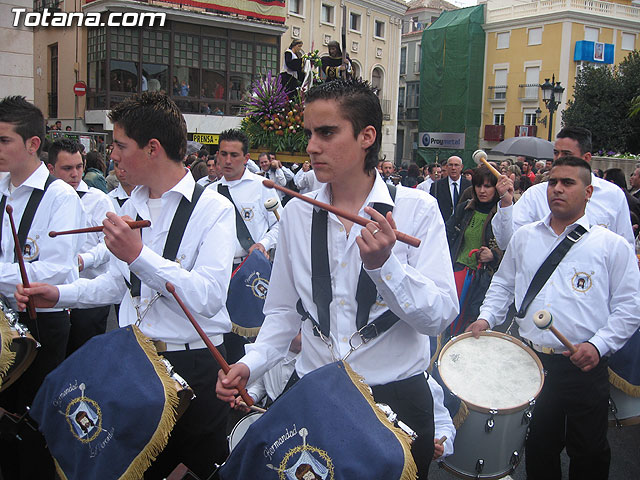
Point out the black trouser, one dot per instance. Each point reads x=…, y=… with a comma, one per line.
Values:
x=199, y=438
x=570, y=412
x=411, y=400
x=86, y=323
x=29, y=458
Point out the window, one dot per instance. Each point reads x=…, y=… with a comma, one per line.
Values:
x=379, y=29
x=503, y=40
x=295, y=7
x=591, y=34
x=401, y=97
x=53, y=80
x=355, y=21
x=500, y=90
x=530, y=117
x=403, y=60
x=628, y=41
x=377, y=80
x=418, y=57
x=532, y=81
x=415, y=25
x=535, y=36
x=413, y=95
x=326, y=14
x=498, y=116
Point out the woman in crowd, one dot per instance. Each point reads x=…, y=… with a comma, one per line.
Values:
x=94, y=171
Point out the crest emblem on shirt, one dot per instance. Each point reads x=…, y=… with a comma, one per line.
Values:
x=31, y=251
x=581, y=281
x=380, y=301
x=247, y=214
x=302, y=461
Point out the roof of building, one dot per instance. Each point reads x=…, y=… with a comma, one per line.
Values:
x=435, y=4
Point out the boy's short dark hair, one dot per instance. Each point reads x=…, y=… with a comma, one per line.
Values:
x=235, y=135
x=359, y=105
x=26, y=118
x=62, y=145
x=580, y=135
x=585, y=174
x=153, y=115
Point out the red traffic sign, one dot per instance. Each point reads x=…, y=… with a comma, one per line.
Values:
x=80, y=89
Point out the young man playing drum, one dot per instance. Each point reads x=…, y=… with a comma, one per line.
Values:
x=343, y=121
x=589, y=304
x=149, y=144
x=22, y=130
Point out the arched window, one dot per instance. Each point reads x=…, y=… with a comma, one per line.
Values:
x=377, y=80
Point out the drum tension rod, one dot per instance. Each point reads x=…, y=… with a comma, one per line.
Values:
x=490, y=422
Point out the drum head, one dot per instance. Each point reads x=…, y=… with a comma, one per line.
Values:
x=493, y=372
x=241, y=428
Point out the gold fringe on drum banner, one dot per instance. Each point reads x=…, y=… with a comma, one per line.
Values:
x=618, y=382
x=410, y=471
x=461, y=416
x=168, y=420
x=434, y=356
x=7, y=356
x=244, y=331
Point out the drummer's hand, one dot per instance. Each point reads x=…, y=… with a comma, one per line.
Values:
x=438, y=449
x=227, y=386
x=586, y=358
x=478, y=326
x=43, y=294
x=239, y=405
x=376, y=249
x=505, y=191
x=80, y=263
x=260, y=247
x=121, y=240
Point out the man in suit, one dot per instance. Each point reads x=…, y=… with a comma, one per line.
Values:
x=448, y=189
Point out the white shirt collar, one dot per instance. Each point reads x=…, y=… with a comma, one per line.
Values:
x=36, y=180
x=583, y=220
x=379, y=193
x=184, y=187
x=82, y=187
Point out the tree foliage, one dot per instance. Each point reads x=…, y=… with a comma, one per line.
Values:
x=602, y=101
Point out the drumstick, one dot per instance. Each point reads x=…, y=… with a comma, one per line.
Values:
x=272, y=206
x=401, y=237
x=31, y=306
x=253, y=407
x=442, y=440
x=481, y=156
x=212, y=348
x=132, y=224
x=544, y=320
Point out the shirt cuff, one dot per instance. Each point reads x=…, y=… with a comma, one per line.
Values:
x=266, y=243
x=505, y=210
x=67, y=295
x=390, y=274
x=146, y=265
x=88, y=259
x=600, y=344
x=255, y=362
x=489, y=317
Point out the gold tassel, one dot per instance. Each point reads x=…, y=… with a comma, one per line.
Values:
x=621, y=384
x=245, y=331
x=461, y=415
x=59, y=470
x=168, y=419
x=7, y=356
x=410, y=471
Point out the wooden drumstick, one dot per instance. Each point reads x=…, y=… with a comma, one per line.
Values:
x=480, y=156
x=99, y=228
x=544, y=320
x=31, y=306
x=212, y=348
x=442, y=440
x=401, y=237
x=253, y=408
x=272, y=206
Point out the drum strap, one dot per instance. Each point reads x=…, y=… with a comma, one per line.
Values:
x=28, y=214
x=174, y=237
x=547, y=268
x=242, y=232
x=321, y=283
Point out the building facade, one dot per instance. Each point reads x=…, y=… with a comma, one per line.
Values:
x=16, y=52
x=372, y=38
x=420, y=14
x=528, y=43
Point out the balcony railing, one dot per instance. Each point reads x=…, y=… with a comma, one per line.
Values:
x=494, y=133
x=497, y=93
x=528, y=91
x=526, y=130
x=610, y=10
x=50, y=5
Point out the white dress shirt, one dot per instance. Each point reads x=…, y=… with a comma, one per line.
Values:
x=96, y=204
x=277, y=176
x=441, y=418
x=272, y=383
x=426, y=185
x=593, y=294
x=307, y=181
x=608, y=208
x=52, y=260
x=252, y=166
x=415, y=283
x=116, y=194
x=249, y=195
x=200, y=273
x=205, y=181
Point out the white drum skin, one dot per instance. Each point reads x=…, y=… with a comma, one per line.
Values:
x=627, y=408
x=498, y=378
x=241, y=428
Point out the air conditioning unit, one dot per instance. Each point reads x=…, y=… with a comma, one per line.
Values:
x=494, y=133
x=526, y=130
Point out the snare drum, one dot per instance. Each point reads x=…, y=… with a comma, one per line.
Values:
x=241, y=428
x=498, y=378
x=185, y=392
x=18, y=347
x=624, y=410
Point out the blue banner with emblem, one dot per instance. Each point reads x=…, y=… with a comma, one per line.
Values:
x=325, y=427
x=107, y=410
x=247, y=292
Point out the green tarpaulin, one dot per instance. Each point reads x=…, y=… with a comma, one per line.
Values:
x=451, y=78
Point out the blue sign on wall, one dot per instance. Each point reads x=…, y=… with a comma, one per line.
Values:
x=596, y=52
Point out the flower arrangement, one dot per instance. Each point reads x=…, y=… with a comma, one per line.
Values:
x=612, y=154
x=273, y=121
x=315, y=63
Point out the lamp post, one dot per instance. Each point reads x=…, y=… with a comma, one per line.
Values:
x=551, y=96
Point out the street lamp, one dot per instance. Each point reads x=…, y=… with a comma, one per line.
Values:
x=551, y=96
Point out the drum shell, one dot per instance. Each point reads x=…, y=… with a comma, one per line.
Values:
x=628, y=408
x=240, y=429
